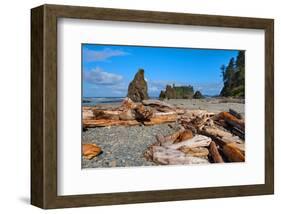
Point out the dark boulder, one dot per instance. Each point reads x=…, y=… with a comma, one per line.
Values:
x=198, y=95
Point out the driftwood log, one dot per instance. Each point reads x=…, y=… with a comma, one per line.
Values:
x=105, y=122
x=127, y=114
x=235, y=114
x=168, y=156
x=161, y=117
x=196, y=152
x=143, y=113
x=196, y=141
x=127, y=103
x=87, y=114
x=158, y=104
x=220, y=136
x=215, y=153
x=90, y=151
x=106, y=114
x=232, y=120
x=233, y=153
x=178, y=136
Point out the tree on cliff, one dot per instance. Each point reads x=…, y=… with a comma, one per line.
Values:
x=177, y=92
x=234, y=77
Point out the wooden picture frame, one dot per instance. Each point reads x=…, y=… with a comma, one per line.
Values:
x=44, y=106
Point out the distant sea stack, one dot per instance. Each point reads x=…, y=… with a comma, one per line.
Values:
x=198, y=95
x=137, y=90
x=177, y=92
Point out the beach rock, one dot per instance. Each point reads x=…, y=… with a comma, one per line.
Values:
x=137, y=90
x=198, y=95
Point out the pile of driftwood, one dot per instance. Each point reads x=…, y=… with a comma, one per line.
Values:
x=204, y=137
x=148, y=112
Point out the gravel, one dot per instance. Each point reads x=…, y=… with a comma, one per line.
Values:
x=123, y=146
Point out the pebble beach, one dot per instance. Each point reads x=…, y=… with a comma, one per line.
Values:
x=125, y=146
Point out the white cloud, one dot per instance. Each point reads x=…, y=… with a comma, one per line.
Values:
x=103, y=55
x=100, y=77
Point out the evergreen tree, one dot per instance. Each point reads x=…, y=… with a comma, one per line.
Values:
x=234, y=76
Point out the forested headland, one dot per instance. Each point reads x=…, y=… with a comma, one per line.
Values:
x=234, y=77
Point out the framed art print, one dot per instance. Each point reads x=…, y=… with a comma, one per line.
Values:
x=138, y=106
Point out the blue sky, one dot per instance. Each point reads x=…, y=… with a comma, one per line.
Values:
x=108, y=69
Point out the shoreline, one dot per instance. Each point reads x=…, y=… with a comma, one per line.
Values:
x=209, y=104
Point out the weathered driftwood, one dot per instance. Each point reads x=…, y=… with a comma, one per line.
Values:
x=106, y=114
x=235, y=114
x=180, y=111
x=161, y=106
x=157, y=104
x=169, y=138
x=90, y=150
x=168, y=156
x=238, y=132
x=159, y=118
x=191, y=113
x=214, y=131
x=127, y=103
x=143, y=113
x=196, y=122
x=220, y=136
x=178, y=136
x=215, y=153
x=87, y=114
x=196, y=141
x=232, y=139
x=105, y=122
x=127, y=115
x=233, y=153
x=240, y=147
x=184, y=135
x=232, y=120
x=196, y=152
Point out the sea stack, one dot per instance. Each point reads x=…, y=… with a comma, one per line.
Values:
x=177, y=92
x=198, y=95
x=137, y=90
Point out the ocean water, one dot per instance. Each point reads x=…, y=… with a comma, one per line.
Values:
x=91, y=101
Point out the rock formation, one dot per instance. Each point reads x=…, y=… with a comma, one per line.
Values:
x=198, y=95
x=177, y=92
x=137, y=90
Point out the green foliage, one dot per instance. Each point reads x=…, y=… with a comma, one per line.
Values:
x=183, y=91
x=177, y=92
x=234, y=77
